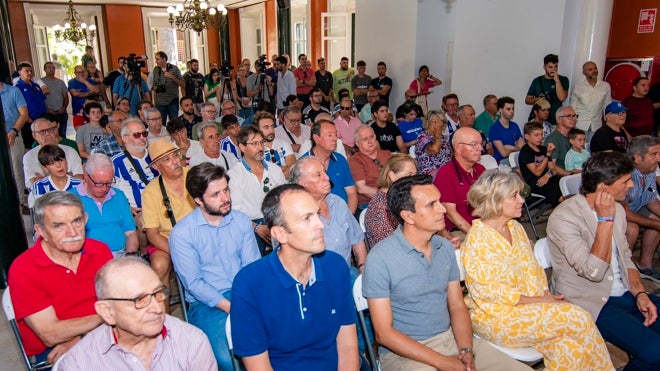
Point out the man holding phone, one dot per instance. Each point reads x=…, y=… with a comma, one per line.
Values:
x=551, y=86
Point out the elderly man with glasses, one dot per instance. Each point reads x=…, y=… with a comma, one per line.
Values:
x=251, y=179
x=136, y=329
x=566, y=120
x=109, y=217
x=45, y=132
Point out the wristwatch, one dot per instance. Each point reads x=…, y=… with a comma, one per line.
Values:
x=466, y=350
x=15, y=131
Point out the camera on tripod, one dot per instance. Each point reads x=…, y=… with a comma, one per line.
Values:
x=135, y=63
x=261, y=63
x=225, y=69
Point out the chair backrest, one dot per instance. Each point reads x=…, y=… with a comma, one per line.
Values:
x=461, y=268
x=489, y=162
x=411, y=151
x=361, y=220
x=360, y=301
x=230, y=344
x=570, y=184
x=542, y=253
x=7, y=305
x=513, y=159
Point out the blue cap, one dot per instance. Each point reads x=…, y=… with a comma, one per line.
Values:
x=615, y=107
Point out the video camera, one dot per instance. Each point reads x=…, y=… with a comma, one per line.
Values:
x=135, y=63
x=261, y=63
x=225, y=69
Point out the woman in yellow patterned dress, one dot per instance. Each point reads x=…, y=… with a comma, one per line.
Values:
x=509, y=300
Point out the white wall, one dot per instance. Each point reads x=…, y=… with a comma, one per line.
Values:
x=384, y=32
x=499, y=48
x=475, y=46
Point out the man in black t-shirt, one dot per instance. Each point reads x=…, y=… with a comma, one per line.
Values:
x=194, y=83
x=388, y=134
x=382, y=84
x=611, y=136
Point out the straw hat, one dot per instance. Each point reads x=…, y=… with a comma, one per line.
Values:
x=159, y=149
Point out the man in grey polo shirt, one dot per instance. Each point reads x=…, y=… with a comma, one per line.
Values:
x=411, y=281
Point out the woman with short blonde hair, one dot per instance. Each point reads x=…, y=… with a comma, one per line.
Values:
x=508, y=299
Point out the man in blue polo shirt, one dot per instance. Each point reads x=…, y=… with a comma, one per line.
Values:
x=208, y=247
x=34, y=97
x=109, y=215
x=324, y=147
x=293, y=310
x=16, y=115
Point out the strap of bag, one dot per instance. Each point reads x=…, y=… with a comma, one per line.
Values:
x=166, y=201
x=137, y=167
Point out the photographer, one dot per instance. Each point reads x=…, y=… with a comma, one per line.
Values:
x=130, y=84
x=260, y=85
x=194, y=83
x=167, y=81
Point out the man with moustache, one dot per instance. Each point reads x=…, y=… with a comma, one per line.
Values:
x=159, y=217
x=294, y=308
x=251, y=179
x=136, y=327
x=276, y=150
x=52, y=283
x=209, y=246
x=188, y=115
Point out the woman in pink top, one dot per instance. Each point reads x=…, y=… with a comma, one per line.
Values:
x=422, y=85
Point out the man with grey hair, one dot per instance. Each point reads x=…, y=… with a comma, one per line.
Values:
x=132, y=165
x=52, y=283
x=45, y=132
x=366, y=164
x=154, y=121
x=466, y=119
x=209, y=113
x=642, y=204
x=112, y=144
x=109, y=217
x=136, y=328
x=209, y=140
x=566, y=119
x=342, y=233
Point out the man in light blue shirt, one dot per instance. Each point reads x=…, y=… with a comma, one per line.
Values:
x=16, y=115
x=208, y=248
x=642, y=204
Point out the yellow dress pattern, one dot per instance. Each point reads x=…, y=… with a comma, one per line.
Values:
x=497, y=273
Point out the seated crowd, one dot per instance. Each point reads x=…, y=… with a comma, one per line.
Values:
x=252, y=199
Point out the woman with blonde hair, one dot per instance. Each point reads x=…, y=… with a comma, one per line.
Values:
x=432, y=148
x=379, y=221
x=508, y=299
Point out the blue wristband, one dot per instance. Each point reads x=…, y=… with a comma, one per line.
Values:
x=605, y=219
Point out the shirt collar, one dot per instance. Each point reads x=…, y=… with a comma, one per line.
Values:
x=285, y=278
x=82, y=191
x=248, y=168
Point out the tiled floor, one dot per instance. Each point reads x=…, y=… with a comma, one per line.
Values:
x=10, y=358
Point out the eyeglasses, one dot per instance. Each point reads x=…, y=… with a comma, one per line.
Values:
x=294, y=121
x=155, y=119
x=257, y=143
x=570, y=116
x=473, y=144
x=139, y=134
x=266, y=185
x=143, y=301
x=346, y=108
x=101, y=184
x=377, y=163
x=50, y=130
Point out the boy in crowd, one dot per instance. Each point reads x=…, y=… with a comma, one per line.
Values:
x=536, y=166
x=53, y=161
x=577, y=155
x=91, y=133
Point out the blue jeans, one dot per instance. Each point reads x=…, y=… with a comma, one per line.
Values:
x=246, y=114
x=622, y=324
x=211, y=321
x=63, y=120
x=168, y=111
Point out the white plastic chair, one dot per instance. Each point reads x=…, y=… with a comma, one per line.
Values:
x=361, y=218
x=411, y=151
x=542, y=253
x=489, y=162
x=361, y=305
x=230, y=344
x=570, y=184
x=8, y=306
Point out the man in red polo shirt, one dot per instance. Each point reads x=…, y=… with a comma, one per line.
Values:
x=366, y=164
x=52, y=283
x=455, y=178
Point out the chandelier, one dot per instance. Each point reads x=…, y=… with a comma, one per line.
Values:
x=74, y=29
x=197, y=15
